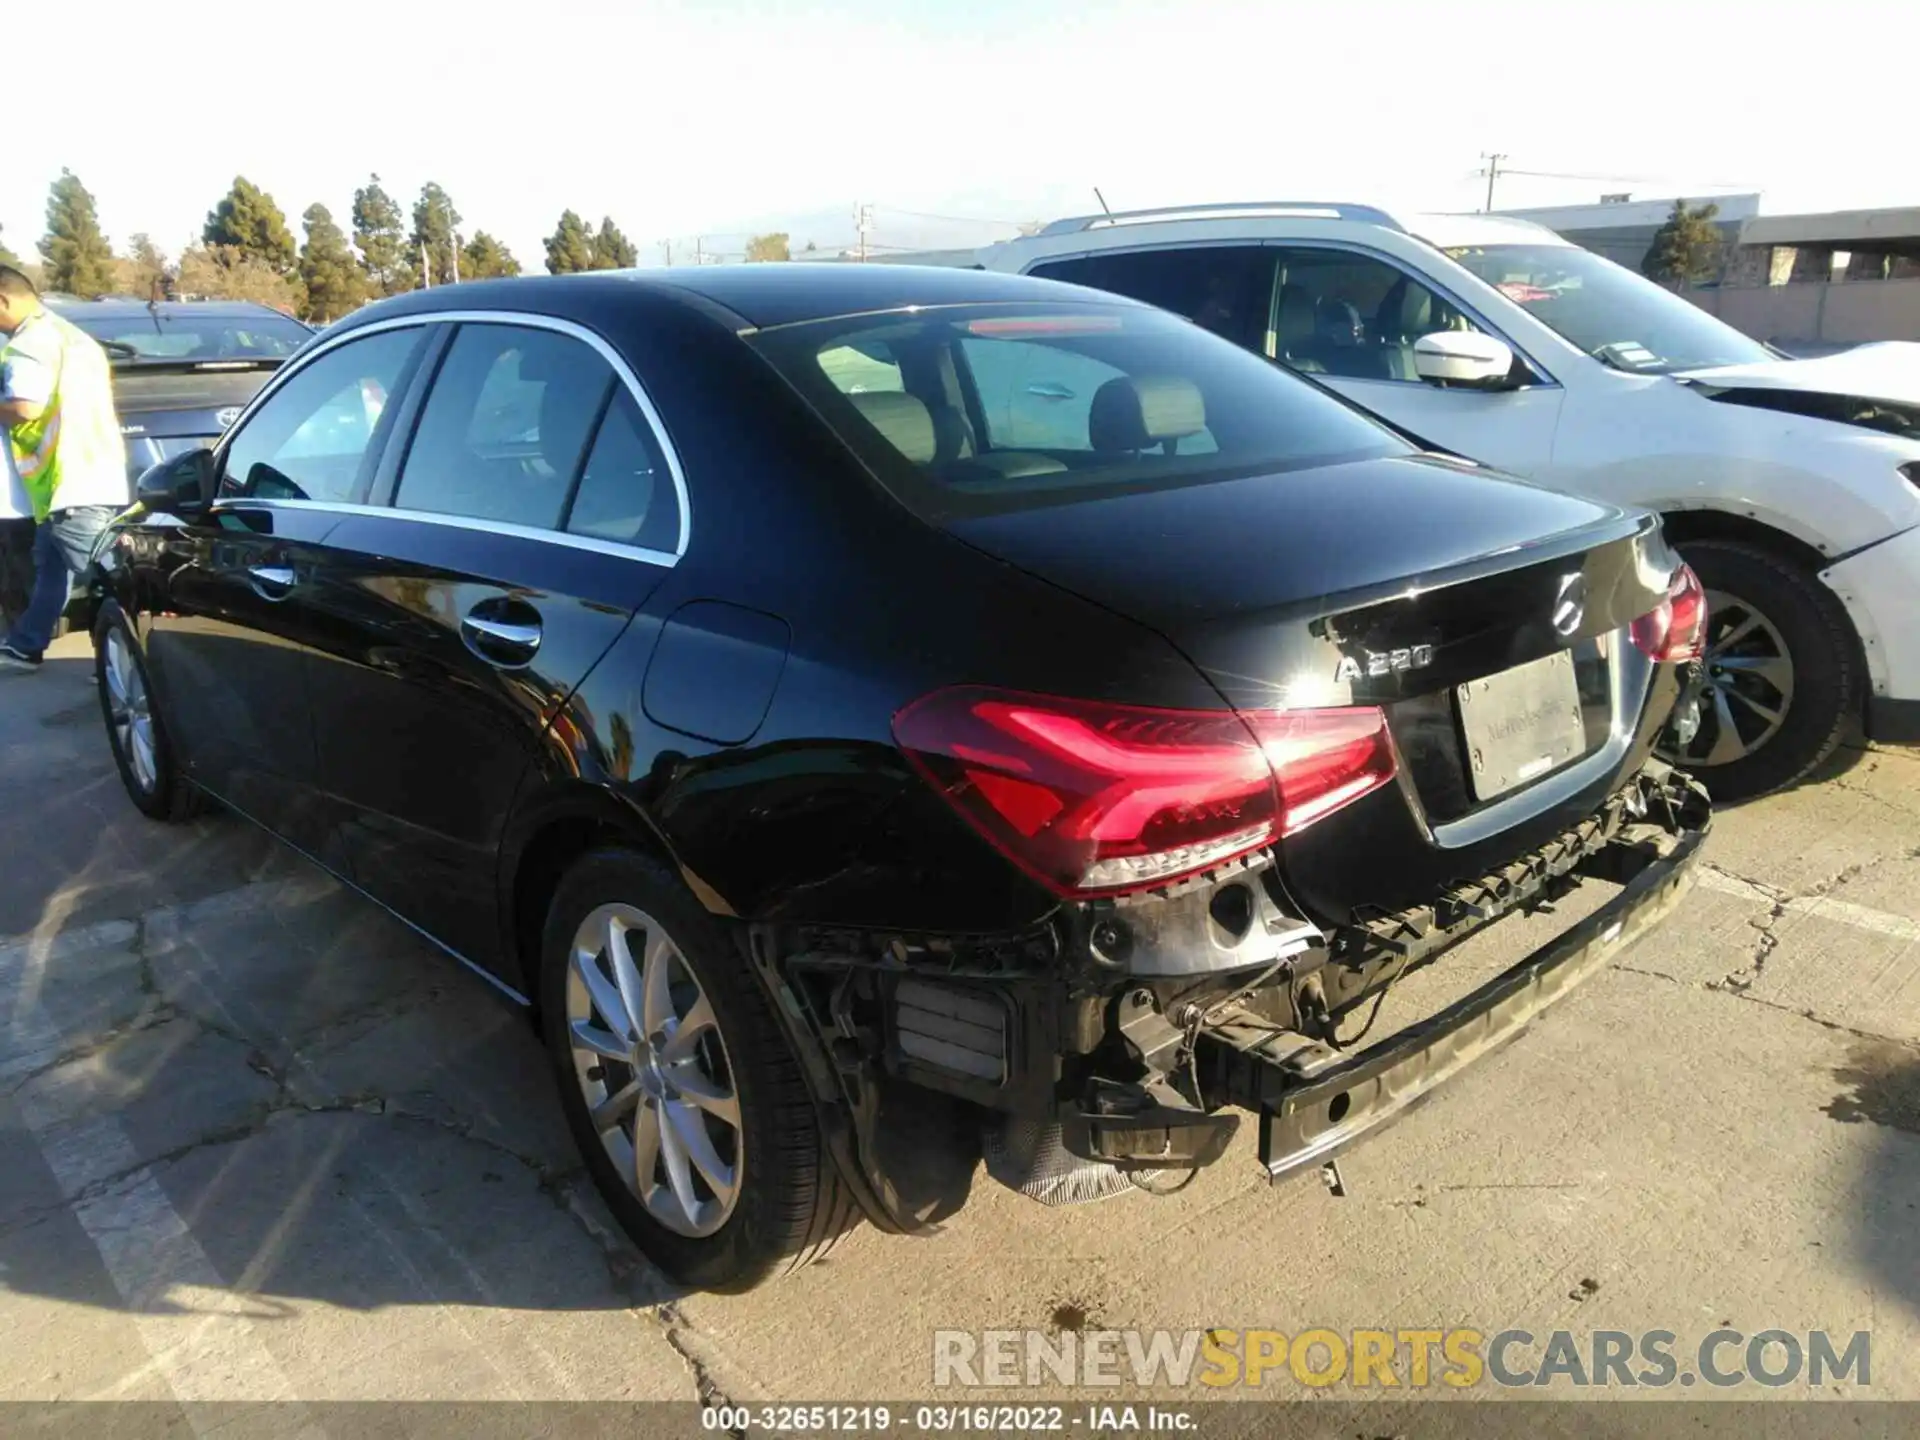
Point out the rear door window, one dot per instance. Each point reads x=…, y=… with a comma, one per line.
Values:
x=626, y=492
x=505, y=428
x=1222, y=288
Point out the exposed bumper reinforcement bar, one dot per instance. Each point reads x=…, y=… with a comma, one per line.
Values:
x=1312, y=1102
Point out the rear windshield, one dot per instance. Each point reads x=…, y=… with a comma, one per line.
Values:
x=170, y=336
x=965, y=410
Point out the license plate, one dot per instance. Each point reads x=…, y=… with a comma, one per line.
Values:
x=1521, y=724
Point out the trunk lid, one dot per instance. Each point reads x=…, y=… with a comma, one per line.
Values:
x=1398, y=583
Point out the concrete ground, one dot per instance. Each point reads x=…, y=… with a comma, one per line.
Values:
x=261, y=1143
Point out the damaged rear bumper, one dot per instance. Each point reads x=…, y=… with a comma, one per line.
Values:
x=1313, y=1101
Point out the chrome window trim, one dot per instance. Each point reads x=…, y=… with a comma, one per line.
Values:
x=458, y=522
x=527, y=320
x=1629, y=677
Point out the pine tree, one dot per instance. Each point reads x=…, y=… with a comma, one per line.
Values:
x=611, y=249
x=1685, y=250
x=773, y=246
x=570, y=247
x=335, y=283
x=248, y=221
x=382, y=243
x=485, y=258
x=78, y=259
x=434, y=221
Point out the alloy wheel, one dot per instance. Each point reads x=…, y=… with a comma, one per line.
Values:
x=654, y=1071
x=1747, y=685
x=129, y=712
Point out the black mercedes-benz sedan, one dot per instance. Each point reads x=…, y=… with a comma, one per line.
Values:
x=877, y=719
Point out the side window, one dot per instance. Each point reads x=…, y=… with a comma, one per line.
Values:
x=1034, y=397
x=1339, y=313
x=311, y=439
x=1222, y=288
x=626, y=491
x=505, y=427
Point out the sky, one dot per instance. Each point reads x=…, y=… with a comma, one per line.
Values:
x=955, y=119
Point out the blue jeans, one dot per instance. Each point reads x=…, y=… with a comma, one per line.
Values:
x=62, y=546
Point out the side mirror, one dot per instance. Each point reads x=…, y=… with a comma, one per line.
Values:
x=1463, y=358
x=180, y=486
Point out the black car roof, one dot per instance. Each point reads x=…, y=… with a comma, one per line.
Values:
x=756, y=295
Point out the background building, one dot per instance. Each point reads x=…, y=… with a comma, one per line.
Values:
x=1807, y=283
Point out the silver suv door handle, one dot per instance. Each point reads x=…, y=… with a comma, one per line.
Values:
x=273, y=581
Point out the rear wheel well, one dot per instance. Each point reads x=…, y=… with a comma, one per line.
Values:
x=544, y=862
x=1684, y=525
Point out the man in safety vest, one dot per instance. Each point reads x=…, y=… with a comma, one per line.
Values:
x=56, y=407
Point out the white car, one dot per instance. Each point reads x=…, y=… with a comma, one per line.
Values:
x=1791, y=486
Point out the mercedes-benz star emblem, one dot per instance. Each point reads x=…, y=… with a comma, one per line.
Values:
x=1570, y=604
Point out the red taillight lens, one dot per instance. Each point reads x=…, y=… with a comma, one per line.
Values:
x=1676, y=628
x=1096, y=798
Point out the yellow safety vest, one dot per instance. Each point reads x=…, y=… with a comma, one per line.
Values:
x=72, y=454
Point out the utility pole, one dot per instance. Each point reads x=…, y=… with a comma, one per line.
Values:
x=1492, y=172
x=666, y=249
x=456, y=257
x=426, y=267
x=698, y=257
x=863, y=223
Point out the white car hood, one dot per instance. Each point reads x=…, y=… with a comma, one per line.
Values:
x=1887, y=371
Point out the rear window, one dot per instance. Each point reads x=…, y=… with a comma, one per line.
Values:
x=173, y=337
x=971, y=409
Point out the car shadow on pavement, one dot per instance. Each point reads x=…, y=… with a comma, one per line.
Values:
x=1880, y=1087
x=227, y=1083
x=280, y=1095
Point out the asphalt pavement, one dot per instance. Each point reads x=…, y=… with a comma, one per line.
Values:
x=263, y=1144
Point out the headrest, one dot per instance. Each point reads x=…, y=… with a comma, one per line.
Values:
x=904, y=420
x=1136, y=413
x=1293, y=319
x=1407, y=309
x=1337, y=321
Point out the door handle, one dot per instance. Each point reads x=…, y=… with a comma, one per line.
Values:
x=1050, y=390
x=272, y=581
x=500, y=641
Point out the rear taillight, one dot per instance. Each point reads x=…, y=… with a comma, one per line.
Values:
x=1091, y=798
x=1676, y=628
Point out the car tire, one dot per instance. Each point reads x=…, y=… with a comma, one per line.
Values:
x=136, y=730
x=1782, y=665
x=787, y=1204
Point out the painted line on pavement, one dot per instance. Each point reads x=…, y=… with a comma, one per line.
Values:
x=188, y=1317
x=1818, y=907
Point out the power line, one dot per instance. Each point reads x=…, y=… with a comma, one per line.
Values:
x=1630, y=179
x=956, y=219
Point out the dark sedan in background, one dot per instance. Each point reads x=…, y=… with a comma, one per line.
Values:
x=182, y=370
x=877, y=716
